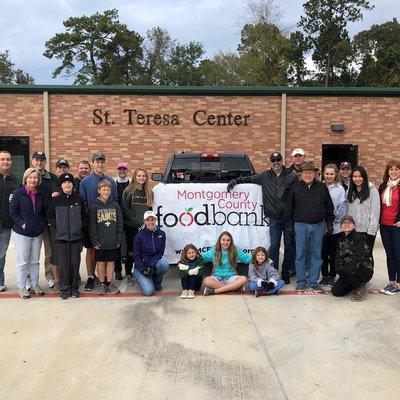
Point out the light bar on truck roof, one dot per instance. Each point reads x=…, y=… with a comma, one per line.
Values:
x=209, y=155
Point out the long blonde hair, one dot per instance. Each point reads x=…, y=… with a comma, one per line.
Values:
x=232, y=251
x=134, y=185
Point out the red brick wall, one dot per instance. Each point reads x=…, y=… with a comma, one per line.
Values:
x=75, y=137
x=22, y=115
x=371, y=123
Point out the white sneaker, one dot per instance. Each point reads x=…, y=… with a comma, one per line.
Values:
x=190, y=294
x=24, y=293
x=28, y=283
x=184, y=294
x=36, y=290
x=51, y=283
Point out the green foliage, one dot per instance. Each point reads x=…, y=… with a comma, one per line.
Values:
x=378, y=55
x=9, y=75
x=97, y=49
x=325, y=25
x=183, y=66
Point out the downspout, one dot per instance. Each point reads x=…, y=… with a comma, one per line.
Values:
x=46, y=125
x=283, y=127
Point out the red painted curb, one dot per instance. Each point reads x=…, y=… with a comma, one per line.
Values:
x=168, y=294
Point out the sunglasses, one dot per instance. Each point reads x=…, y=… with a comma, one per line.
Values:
x=276, y=159
x=122, y=169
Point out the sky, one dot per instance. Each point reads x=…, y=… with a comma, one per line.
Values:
x=26, y=26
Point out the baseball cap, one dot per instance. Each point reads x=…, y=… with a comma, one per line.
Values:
x=122, y=165
x=276, y=157
x=39, y=155
x=298, y=151
x=98, y=156
x=61, y=162
x=65, y=177
x=345, y=165
x=347, y=218
x=149, y=214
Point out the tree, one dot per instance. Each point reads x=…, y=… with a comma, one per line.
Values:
x=325, y=23
x=157, y=48
x=98, y=49
x=225, y=69
x=267, y=54
x=183, y=66
x=378, y=55
x=297, y=47
x=9, y=75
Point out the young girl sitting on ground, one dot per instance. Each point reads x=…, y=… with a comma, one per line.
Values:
x=264, y=279
x=224, y=256
x=190, y=266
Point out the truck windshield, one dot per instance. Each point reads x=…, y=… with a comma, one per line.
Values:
x=209, y=169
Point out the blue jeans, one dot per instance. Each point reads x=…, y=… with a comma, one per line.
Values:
x=27, y=250
x=147, y=283
x=391, y=242
x=276, y=228
x=5, y=235
x=308, y=240
x=253, y=287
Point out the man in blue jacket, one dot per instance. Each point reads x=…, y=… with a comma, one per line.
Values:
x=148, y=250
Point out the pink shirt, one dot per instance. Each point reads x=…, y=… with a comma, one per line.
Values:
x=32, y=195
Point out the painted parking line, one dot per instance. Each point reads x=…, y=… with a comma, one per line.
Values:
x=170, y=294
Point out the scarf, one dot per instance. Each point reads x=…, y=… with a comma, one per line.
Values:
x=387, y=194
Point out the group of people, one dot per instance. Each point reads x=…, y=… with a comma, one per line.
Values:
x=328, y=223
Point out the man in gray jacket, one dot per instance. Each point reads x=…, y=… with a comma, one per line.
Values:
x=275, y=183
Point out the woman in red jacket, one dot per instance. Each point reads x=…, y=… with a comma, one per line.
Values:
x=390, y=224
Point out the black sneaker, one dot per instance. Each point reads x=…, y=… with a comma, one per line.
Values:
x=89, y=284
x=75, y=294
x=118, y=276
x=64, y=295
x=158, y=288
x=96, y=280
x=286, y=279
x=324, y=281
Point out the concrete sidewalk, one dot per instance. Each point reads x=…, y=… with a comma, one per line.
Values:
x=226, y=347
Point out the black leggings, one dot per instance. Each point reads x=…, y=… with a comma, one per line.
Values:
x=130, y=233
x=346, y=283
x=192, y=282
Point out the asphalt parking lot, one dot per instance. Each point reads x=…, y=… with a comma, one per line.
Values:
x=235, y=346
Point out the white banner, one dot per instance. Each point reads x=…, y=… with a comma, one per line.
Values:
x=198, y=213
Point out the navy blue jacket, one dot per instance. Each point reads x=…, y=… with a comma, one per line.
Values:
x=148, y=248
x=22, y=212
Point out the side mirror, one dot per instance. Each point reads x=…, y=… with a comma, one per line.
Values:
x=157, y=176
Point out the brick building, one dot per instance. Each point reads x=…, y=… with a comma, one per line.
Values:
x=144, y=125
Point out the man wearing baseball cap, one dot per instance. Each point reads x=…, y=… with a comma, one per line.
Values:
x=345, y=172
x=298, y=158
x=309, y=212
x=62, y=166
x=89, y=192
x=275, y=184
x=48, y=186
